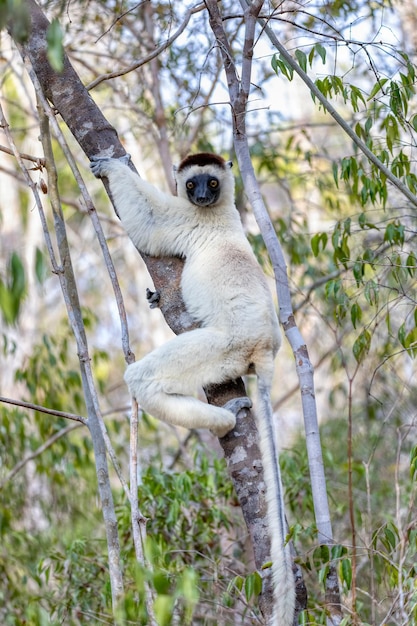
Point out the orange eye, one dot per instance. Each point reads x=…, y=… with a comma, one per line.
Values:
x=189, y=184
x=214, y=183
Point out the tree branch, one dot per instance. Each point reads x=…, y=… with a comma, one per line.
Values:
x=43, y=409
x=152, y=55
x=40, y=162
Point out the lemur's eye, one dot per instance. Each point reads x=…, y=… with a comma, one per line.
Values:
x=189, y=184
x=213, y=183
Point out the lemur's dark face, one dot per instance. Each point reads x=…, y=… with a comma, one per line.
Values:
x=203, y=189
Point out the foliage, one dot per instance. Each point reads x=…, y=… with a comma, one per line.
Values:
x=58, y=571
x=193, y=545
x=349, y=238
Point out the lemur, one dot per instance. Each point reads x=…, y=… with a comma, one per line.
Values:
x=225, y=290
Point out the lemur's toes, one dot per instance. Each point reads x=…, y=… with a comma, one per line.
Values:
x=236, y=404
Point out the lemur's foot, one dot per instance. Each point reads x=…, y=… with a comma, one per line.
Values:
x=153, y=298
x=236, y=404
x=233, y=406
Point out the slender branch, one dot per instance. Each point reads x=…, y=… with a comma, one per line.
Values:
x=40, y=162
x=95, y=421
x=152, y=55
x=120, y=17
x=129, y=356
x=68, y=286
x=43, y=409
x=139, y=532
x=48, y=443
x=352, y=504
x=251, y=14
x=137, y=519
x=160, y=120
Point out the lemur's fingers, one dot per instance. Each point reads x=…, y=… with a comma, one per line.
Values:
x=98, y=164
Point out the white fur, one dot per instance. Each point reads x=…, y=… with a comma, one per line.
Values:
x=224, y=289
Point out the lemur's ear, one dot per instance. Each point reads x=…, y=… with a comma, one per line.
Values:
x=229, y=163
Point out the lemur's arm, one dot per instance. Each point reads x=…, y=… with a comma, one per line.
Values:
x=142, y=208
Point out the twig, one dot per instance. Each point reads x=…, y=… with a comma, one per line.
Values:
x=43, y=409
x=138, y=520
x=354, y=558
x=152, y=55
x=40, y=162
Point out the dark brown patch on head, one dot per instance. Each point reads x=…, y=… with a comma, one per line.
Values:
x=202, y=159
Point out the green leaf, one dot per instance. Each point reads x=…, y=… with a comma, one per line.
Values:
x=413, y=461
x=346, y=225
x=163, y=607
x=355, y=96
x=41, y=267
x=395, y=233
x=279, y=64
x=391, y=534
x=17, y=275
x=372, y=292
x=410, y=342
x=302, y=59
x=335, y=171
x=346, y=572
x=338, y=550
x=54, y=38
x=317, y=240
x=249, y=587
x=15, y=15
x=355, y=314
x=13, y=290
x=411, y=264
x=321, y=52
x=235, y=583
x=377, y=87
x=362, y=345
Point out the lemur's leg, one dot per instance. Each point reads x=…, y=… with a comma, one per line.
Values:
x=165, y=381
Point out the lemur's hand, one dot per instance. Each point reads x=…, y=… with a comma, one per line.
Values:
x=100, y=165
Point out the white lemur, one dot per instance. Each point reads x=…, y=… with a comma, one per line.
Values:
x=224, y=289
